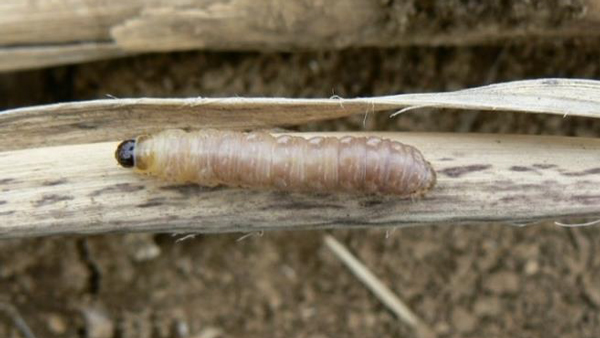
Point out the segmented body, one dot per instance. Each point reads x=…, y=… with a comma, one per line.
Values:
x=368, y=165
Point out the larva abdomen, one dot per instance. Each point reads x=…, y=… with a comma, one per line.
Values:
x=369, y=165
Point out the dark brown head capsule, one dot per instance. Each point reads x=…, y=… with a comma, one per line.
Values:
x=125, y=153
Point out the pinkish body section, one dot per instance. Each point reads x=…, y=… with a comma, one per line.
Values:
x=367, y=165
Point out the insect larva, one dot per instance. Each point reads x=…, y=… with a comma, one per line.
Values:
x=369, y=165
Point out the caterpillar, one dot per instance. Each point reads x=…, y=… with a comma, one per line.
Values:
x=366, y=165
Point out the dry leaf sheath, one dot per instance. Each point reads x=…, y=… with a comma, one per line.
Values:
x=119, y=119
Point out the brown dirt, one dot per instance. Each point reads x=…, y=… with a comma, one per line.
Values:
x=464, y=281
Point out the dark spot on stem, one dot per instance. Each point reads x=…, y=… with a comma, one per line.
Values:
x=6, y=180
x=51, y=199
x=460, y=171
x=370, y=203
x=521, y=169
x=85, y=126
x=54, y=182
x=153, y=202
x=593, y=171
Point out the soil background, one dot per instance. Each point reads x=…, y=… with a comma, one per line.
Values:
x=463, y=280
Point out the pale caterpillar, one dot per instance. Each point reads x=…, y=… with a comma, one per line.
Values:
x=367, y=165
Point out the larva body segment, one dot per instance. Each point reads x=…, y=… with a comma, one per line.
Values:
x=368, y=165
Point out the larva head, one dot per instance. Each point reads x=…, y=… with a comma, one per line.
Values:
x=125, y=153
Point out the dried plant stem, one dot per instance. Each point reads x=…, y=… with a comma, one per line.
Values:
x=44, y=33
x=380, y=290
x=481, y=178
x=17, y=319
